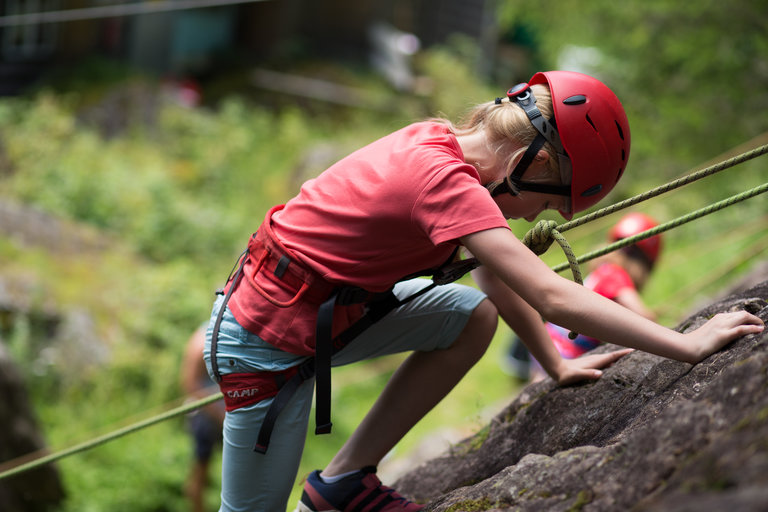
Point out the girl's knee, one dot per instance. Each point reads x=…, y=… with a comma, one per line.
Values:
x=480, y=328
x=486, y=316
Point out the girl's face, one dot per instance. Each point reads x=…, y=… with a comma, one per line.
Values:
x=528, y=205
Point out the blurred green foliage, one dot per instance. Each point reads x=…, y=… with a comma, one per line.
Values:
x=175, y=193
x=691, y=75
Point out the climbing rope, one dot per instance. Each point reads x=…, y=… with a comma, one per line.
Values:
x=541, y=236
x=178, y=411
x=753, y=245
x=760, y=189
x=690, y=178
x=538, y=239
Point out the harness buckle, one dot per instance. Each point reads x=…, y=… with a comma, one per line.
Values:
x=454, y=271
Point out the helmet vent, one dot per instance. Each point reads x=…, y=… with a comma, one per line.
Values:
x=577, y=99
x=621, y=133
x=594, y=189
x=590, y=122
x=623, y=155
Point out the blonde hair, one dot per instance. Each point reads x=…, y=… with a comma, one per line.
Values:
x=507, y=127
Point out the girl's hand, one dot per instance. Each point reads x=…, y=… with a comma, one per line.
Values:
x=587, y=367
x=720, y=330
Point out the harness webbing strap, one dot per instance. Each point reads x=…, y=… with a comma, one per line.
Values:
x=220, y=315
x=289, y=388
x=320, y=365
x=323, y=353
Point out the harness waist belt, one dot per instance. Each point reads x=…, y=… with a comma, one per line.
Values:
x=244, y=389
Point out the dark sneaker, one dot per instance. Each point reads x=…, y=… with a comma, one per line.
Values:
x=361, y=492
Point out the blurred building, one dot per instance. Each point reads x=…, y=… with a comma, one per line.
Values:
x=178, y=37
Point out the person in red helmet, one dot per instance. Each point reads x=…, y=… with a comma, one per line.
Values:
x=329, y=279
x=619, y=275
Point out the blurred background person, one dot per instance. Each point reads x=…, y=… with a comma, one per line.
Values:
x=205, y=423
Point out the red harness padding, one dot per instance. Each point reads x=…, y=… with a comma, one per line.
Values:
x=243, y=389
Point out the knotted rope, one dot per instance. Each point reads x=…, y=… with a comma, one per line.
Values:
x=540, y=237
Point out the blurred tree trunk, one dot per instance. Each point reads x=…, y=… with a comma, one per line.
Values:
x=38, y=490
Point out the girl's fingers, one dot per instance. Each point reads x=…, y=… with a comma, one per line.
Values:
x=618, y=354
x=603, y=360
x=742, y=318
x=737, y=324
x=589, y=367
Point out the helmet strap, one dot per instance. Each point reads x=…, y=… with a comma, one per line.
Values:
x=514, y=182
x=523, y=96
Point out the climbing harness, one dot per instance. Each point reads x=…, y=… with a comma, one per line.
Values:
x=245, y=389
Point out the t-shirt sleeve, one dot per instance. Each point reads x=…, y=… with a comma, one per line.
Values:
x=454, y=204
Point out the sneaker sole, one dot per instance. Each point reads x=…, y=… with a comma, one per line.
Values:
x=300, y=507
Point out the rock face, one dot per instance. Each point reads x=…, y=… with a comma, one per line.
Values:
x=651, y=434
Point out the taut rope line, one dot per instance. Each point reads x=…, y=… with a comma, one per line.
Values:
x=749, y=155
x=178, y=411
x=760, y=189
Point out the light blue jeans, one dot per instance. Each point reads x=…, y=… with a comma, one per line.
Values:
x=262, y=482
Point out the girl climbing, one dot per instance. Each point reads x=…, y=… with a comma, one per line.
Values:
x=326, y=281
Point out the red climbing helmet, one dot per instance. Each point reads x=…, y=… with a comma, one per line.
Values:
x=594, y=132
x=589, y=131
x=632, y=224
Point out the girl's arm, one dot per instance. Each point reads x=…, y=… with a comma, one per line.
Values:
x=569, y=304
x=527, y=324
x=631, y=299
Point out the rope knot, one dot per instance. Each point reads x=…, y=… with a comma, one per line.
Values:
x=540, y=237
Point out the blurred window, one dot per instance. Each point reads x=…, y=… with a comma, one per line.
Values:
x=30, y=41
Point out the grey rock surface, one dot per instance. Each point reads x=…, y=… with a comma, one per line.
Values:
x=651, y=435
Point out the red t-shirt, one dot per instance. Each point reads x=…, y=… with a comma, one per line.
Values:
x=388, y=210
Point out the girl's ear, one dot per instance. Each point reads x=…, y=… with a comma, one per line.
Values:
x=542, y=156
